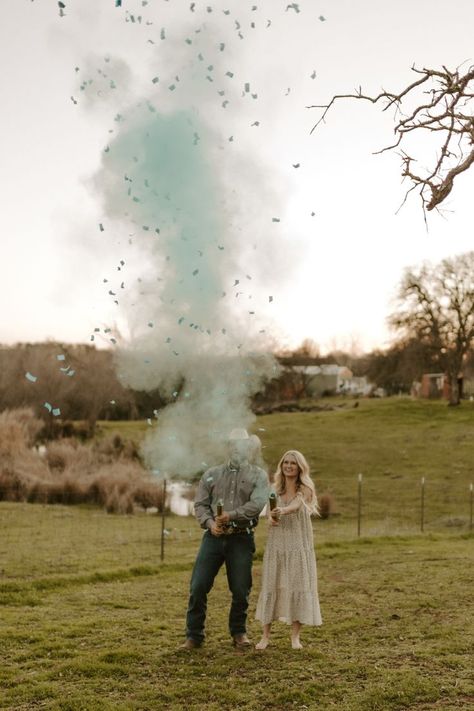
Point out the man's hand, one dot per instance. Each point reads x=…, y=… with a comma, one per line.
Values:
x=222, y=519
x=215, y=529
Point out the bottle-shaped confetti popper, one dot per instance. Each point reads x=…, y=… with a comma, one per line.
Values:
x=220, y=507
x=272, y=500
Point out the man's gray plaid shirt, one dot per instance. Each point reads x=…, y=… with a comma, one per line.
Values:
x=244, y=492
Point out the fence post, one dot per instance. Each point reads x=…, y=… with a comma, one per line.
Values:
x=470, y=506
x=163, y=505
x=359, y=503
x=422, y=514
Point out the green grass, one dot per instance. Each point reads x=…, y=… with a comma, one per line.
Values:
x=393, y=442
x=91, y=619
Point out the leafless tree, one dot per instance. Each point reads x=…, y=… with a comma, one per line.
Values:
x=436, y=305
x=441, y=103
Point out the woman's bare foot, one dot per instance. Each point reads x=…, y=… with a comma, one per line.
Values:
x=295, y=643
x=263, y=644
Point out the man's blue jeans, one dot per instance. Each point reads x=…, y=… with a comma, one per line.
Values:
x=236, y=551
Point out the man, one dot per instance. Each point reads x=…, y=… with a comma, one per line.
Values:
x=242, y=489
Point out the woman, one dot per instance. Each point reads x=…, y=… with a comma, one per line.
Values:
x=289, y=582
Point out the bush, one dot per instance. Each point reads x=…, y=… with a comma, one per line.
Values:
x=326, y=505
x=67, y=472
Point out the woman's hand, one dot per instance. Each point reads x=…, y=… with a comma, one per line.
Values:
x=275, y=515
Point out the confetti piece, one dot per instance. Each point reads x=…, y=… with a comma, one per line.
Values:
x=230, y=139
x=192, y=6
x=118, y=3
x=322, y=18
x=247, y=87
x=220, y=247
x=236, y=282
x=172, y=87
x=56, y=411
x=294, y=6
x=222, y=46
x=112, y=402
x=155, y=80
x=101, y=227
x=30, y=377
x=229, y=74
x=150, y=324
x=196, y=271
x=61, y=357
x=64, y=370
x=92, y=338
x=149, y=421
x=255, y=123
x=313, y=214
x=275, y=219
x=162, y=33
x=313, y=75
x=296, y=165
x=73, y=100
x=48, y=406
x=270, y=299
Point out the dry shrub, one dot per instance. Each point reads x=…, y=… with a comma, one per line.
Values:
x=69, y=454
x=114, y=447
x=18, y=430
x=326, y=505
x=109, y=475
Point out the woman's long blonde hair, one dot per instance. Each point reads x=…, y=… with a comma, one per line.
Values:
x=304, y=483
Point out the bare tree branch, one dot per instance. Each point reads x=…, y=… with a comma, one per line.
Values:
x=448, y=112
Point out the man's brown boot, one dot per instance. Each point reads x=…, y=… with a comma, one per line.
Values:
x=241, y=641
x=190, y=644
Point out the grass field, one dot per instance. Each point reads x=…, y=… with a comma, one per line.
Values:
x=92, y=620
x=393, y=443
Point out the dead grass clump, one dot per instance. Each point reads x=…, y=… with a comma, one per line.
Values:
x=114, y=447
x=326, y=505
x=149, y=495
x=68, y=472
x=18, y=430
x=69, y=454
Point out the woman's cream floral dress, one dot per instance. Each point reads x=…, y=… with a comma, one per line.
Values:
x=289, y=581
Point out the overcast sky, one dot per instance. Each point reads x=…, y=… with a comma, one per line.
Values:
x=331, y=275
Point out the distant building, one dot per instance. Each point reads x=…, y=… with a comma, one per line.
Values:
x=332, y=379
x=434, y=385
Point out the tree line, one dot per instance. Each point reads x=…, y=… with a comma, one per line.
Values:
x=433, y=326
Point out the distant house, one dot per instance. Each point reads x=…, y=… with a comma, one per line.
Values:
x=332, y=379
x=436, y=385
